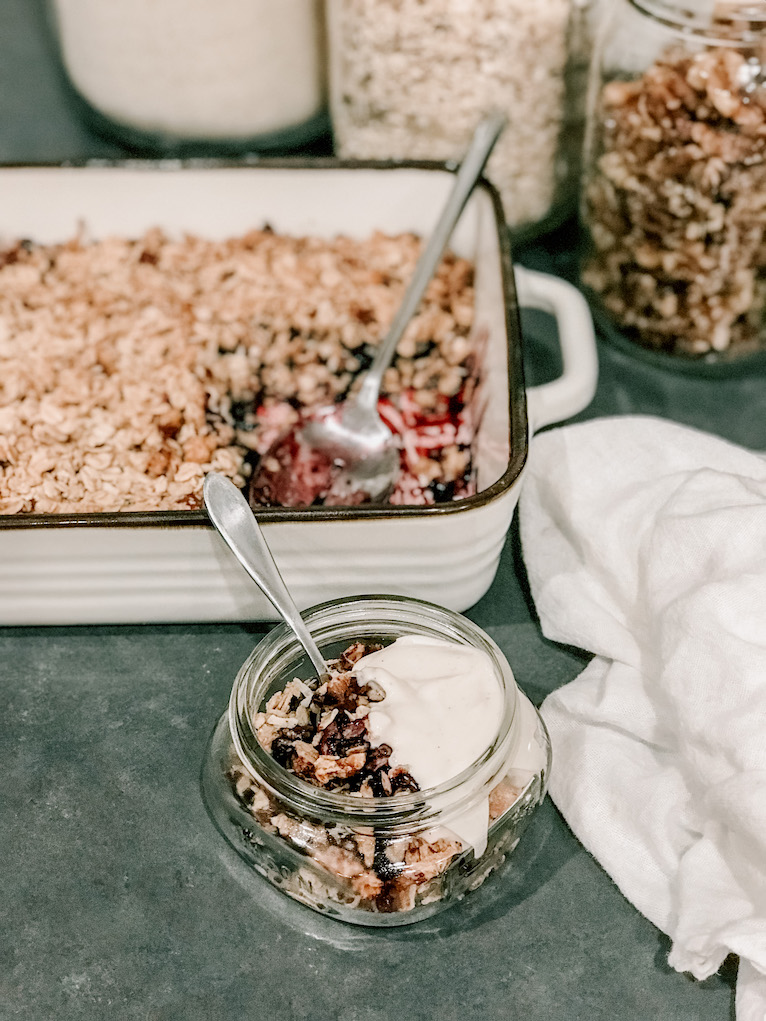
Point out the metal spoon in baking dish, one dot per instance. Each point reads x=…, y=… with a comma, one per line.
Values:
x=230, y=512
x=352, y=434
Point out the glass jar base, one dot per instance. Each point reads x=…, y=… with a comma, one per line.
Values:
x=298, y=877
x=713, y=364
x=167, y=145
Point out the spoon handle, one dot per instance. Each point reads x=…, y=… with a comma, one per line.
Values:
x=482, y=144
x=230, y=512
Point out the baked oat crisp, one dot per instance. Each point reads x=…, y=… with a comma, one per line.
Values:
x=410, y=80
x=676, y=203
x=129, y=368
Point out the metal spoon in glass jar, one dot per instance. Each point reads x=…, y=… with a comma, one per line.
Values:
x=230, y=512
x=352, y=434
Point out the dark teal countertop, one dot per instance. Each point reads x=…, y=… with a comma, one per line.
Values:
x=120, y=899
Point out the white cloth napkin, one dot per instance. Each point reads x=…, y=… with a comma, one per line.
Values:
x=645, y=544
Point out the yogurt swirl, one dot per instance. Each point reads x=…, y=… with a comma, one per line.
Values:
x=441, y=711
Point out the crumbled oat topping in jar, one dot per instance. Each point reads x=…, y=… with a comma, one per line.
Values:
x=321, y=732
x=129, y=368
x=676, y=202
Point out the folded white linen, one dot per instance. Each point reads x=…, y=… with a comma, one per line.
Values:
x=645, y=544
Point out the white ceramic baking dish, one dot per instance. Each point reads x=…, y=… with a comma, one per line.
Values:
x=171, y=566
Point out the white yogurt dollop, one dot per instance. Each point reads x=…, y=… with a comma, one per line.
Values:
x=441, y=710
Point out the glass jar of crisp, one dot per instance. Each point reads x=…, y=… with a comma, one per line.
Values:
x=297, y=778
x=177, y=77
x=411, y=80
x=674, y=194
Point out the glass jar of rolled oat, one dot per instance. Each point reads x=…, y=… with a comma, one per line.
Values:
x=187, y=77
x=674, y=193
x=411, y=80
x=296, y=778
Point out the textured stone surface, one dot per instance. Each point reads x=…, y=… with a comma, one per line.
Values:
x=121, y=899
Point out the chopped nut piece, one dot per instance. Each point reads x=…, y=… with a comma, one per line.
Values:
x=328, y=767
x=367, y=885
x=426, y=859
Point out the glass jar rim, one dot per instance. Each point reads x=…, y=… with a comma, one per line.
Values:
x=681, y=17
x=450, y=796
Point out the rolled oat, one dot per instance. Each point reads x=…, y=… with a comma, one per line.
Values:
x=131, y=367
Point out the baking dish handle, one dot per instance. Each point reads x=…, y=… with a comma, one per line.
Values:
x=575, y=387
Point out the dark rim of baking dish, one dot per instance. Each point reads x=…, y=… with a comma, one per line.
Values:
x=518, y=446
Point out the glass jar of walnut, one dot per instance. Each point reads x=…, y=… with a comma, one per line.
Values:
x=674, y=195
x=332, y=821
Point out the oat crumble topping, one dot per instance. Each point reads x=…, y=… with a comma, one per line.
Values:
x=129, y=368
x=321, y=732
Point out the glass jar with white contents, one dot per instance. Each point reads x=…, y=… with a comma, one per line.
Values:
x=411, y=80
x=296, y=781
x=177, y=77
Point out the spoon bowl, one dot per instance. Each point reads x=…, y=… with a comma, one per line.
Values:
x=352, y=436
x=355, y=437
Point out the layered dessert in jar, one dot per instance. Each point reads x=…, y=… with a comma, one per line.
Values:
x=392, y=786
x=131, y=367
